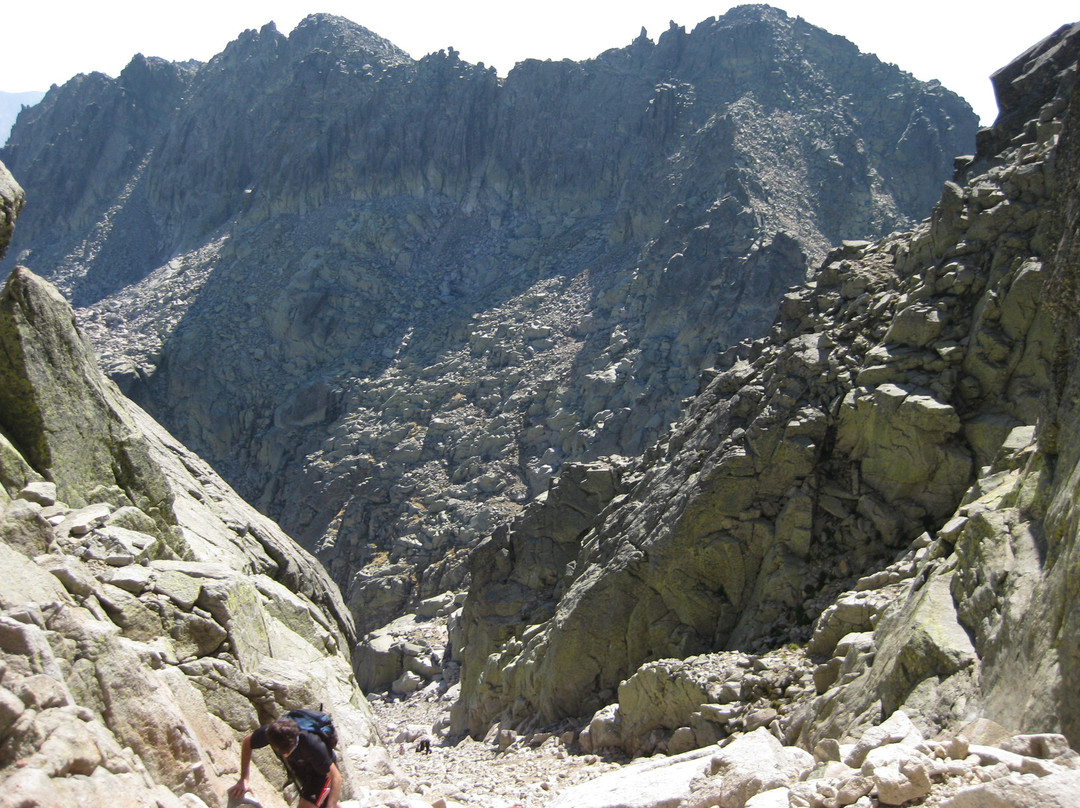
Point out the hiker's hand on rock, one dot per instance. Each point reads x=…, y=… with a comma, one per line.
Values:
x=240, y=789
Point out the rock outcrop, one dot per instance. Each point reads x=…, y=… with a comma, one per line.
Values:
x=149, y=618
x=11, y=202
x=887, y=479
x=437, y=287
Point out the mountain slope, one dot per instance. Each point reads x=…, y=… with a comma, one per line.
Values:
x=436, y=287
x=905, y=431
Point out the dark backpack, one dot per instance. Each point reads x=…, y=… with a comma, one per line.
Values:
x=317, y=722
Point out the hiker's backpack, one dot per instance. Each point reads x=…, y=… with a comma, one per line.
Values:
x=319, y=723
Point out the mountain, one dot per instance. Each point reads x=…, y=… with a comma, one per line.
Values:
x=880, y=491
x=10, y=106
x=845, y=574
x=389, y=299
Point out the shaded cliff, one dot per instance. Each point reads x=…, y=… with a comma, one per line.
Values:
x=437, y=287
x=904, y=432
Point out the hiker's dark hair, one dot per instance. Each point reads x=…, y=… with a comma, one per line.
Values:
x=282, y=733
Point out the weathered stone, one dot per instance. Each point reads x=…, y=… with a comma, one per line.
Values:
x=122, y=546
x=1019, y=791
x=915, y=325
x=82, y=521
x=899, y=784
x=1047, y=746
x=236, y=603
x=927, y=640
x=407, y=683
x=851, y=789
x=603, y=731
x=134, y=578
x=25, y=582
x=660, y=694
x=753, y=763
x=23, y=527
x=903, y=441
x=182, y=589
x=664, y=782
x=896, y=729
x=43, y=493
x=773, y=798
x=851, y=613
x=71, y=572
x=984, y=732
x=378, y=662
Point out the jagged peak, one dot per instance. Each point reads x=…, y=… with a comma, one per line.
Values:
x=756, y=12
x=152, y=73
x=1030, y=81
x=773, y=18
x=249, y=42
x=340, y=35
x=749, y=14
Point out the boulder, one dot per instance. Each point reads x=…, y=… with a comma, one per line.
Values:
x=603, y=731
x=903, y=440
x=750, y=765
x=1019, y=791
x=900, y=783
x=657, y=783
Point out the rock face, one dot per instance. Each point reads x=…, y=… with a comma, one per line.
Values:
x=149, y=618
x=437, y=287
x=906, y=432
x=11, y=202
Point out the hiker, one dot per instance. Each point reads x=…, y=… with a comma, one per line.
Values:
x=309, y=761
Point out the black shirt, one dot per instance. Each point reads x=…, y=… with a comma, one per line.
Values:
x=309, y=762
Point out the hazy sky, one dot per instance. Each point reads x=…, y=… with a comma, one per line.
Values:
x=958, y=42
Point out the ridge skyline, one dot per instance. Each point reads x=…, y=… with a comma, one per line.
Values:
x=482, y=31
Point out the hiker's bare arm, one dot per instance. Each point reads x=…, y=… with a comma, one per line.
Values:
x=242, y=786
x=335, y=786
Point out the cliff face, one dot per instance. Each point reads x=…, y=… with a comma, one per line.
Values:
x=905, y=432
x=149, y=618
x=437, y=287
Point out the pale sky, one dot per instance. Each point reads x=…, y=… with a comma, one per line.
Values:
x=958, y=42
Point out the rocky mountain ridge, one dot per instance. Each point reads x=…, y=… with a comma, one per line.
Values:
x=11, y=104
x=913, y=404
x=438, y=287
